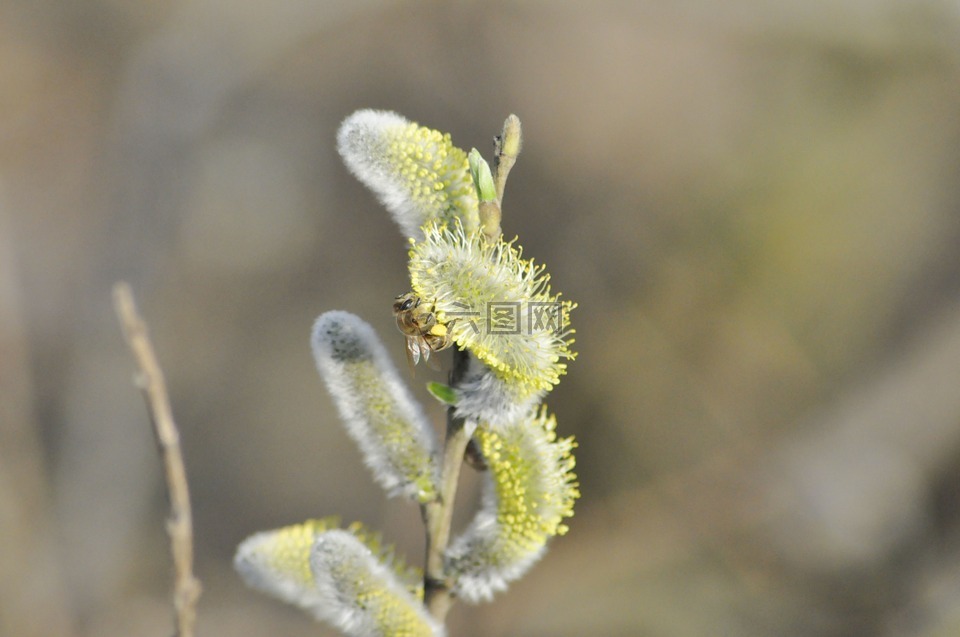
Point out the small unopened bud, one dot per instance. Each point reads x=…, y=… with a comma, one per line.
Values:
x=506, y=148
x=511, y=138
x=482, y=177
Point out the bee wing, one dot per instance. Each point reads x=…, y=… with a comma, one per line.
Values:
x=413, y=351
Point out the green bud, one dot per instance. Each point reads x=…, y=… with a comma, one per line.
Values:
x=482, y=178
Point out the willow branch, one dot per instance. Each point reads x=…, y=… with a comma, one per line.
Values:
x=438, y=515
x=149, y=378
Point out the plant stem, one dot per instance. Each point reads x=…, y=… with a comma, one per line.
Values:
x=186, y=588
x=438, y=515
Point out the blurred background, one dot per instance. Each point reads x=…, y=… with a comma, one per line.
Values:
x=756, y=205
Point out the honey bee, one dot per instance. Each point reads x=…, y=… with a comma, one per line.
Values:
x=419, y=325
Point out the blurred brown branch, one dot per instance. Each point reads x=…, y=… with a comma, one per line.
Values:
x=33, y=599
x=180, y=525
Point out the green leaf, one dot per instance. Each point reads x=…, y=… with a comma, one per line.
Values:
x=444, y=393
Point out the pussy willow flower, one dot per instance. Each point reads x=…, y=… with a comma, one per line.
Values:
x=530, y=490
x=337, y=577
x=395, y=437
x=278, y=562
x=418, y=174
x=484, y=397
x=495, y=303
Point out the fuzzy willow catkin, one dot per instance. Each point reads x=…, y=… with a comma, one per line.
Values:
x=389, y=426
x=417, y=172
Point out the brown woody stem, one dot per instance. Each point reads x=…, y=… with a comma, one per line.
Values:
x=149, y=378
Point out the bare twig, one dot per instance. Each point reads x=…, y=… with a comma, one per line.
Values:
x=186, y=588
